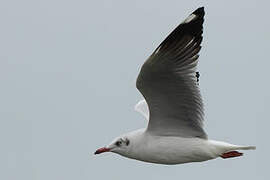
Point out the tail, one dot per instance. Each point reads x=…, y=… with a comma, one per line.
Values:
x=232, y=153
x=226, y=150
x=245, y=148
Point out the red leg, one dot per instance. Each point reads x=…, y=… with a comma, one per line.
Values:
x=231, y=154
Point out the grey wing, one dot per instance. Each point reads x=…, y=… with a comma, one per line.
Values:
x=168, y=82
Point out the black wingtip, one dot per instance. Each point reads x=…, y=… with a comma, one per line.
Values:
x=199, y=11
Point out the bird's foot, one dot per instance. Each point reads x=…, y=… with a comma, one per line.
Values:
x=231, y=154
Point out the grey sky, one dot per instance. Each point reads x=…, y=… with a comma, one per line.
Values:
x=68, y=71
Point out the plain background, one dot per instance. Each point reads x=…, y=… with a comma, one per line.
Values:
x=68, y=72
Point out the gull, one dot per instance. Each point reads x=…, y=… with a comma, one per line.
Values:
x=173, y=105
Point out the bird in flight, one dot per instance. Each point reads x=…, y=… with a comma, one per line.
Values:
x=173, y=105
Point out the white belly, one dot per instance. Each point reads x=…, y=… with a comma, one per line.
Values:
x=175, y=150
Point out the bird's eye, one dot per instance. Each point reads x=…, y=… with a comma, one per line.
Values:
x=118, y=143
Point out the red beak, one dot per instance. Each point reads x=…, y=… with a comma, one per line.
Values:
x=102, y=150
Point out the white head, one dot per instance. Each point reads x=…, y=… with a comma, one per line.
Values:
x=119, y=145
x=125, y=145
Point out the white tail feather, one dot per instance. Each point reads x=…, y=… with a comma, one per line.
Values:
x=226, y=147
x=245, y=147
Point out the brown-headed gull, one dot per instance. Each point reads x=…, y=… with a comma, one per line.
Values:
x=173, y=105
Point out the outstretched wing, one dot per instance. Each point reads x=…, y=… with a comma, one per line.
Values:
x=168, y=82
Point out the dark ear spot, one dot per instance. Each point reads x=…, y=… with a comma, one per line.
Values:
x=127, y=142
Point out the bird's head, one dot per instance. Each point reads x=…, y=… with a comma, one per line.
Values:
x=119, y=145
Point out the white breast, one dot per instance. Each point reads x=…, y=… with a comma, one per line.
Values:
x=172, y=150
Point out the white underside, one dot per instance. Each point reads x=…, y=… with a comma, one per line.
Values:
x=175, y=150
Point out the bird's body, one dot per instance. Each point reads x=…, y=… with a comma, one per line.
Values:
x=172, y=149
x=172, y=104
